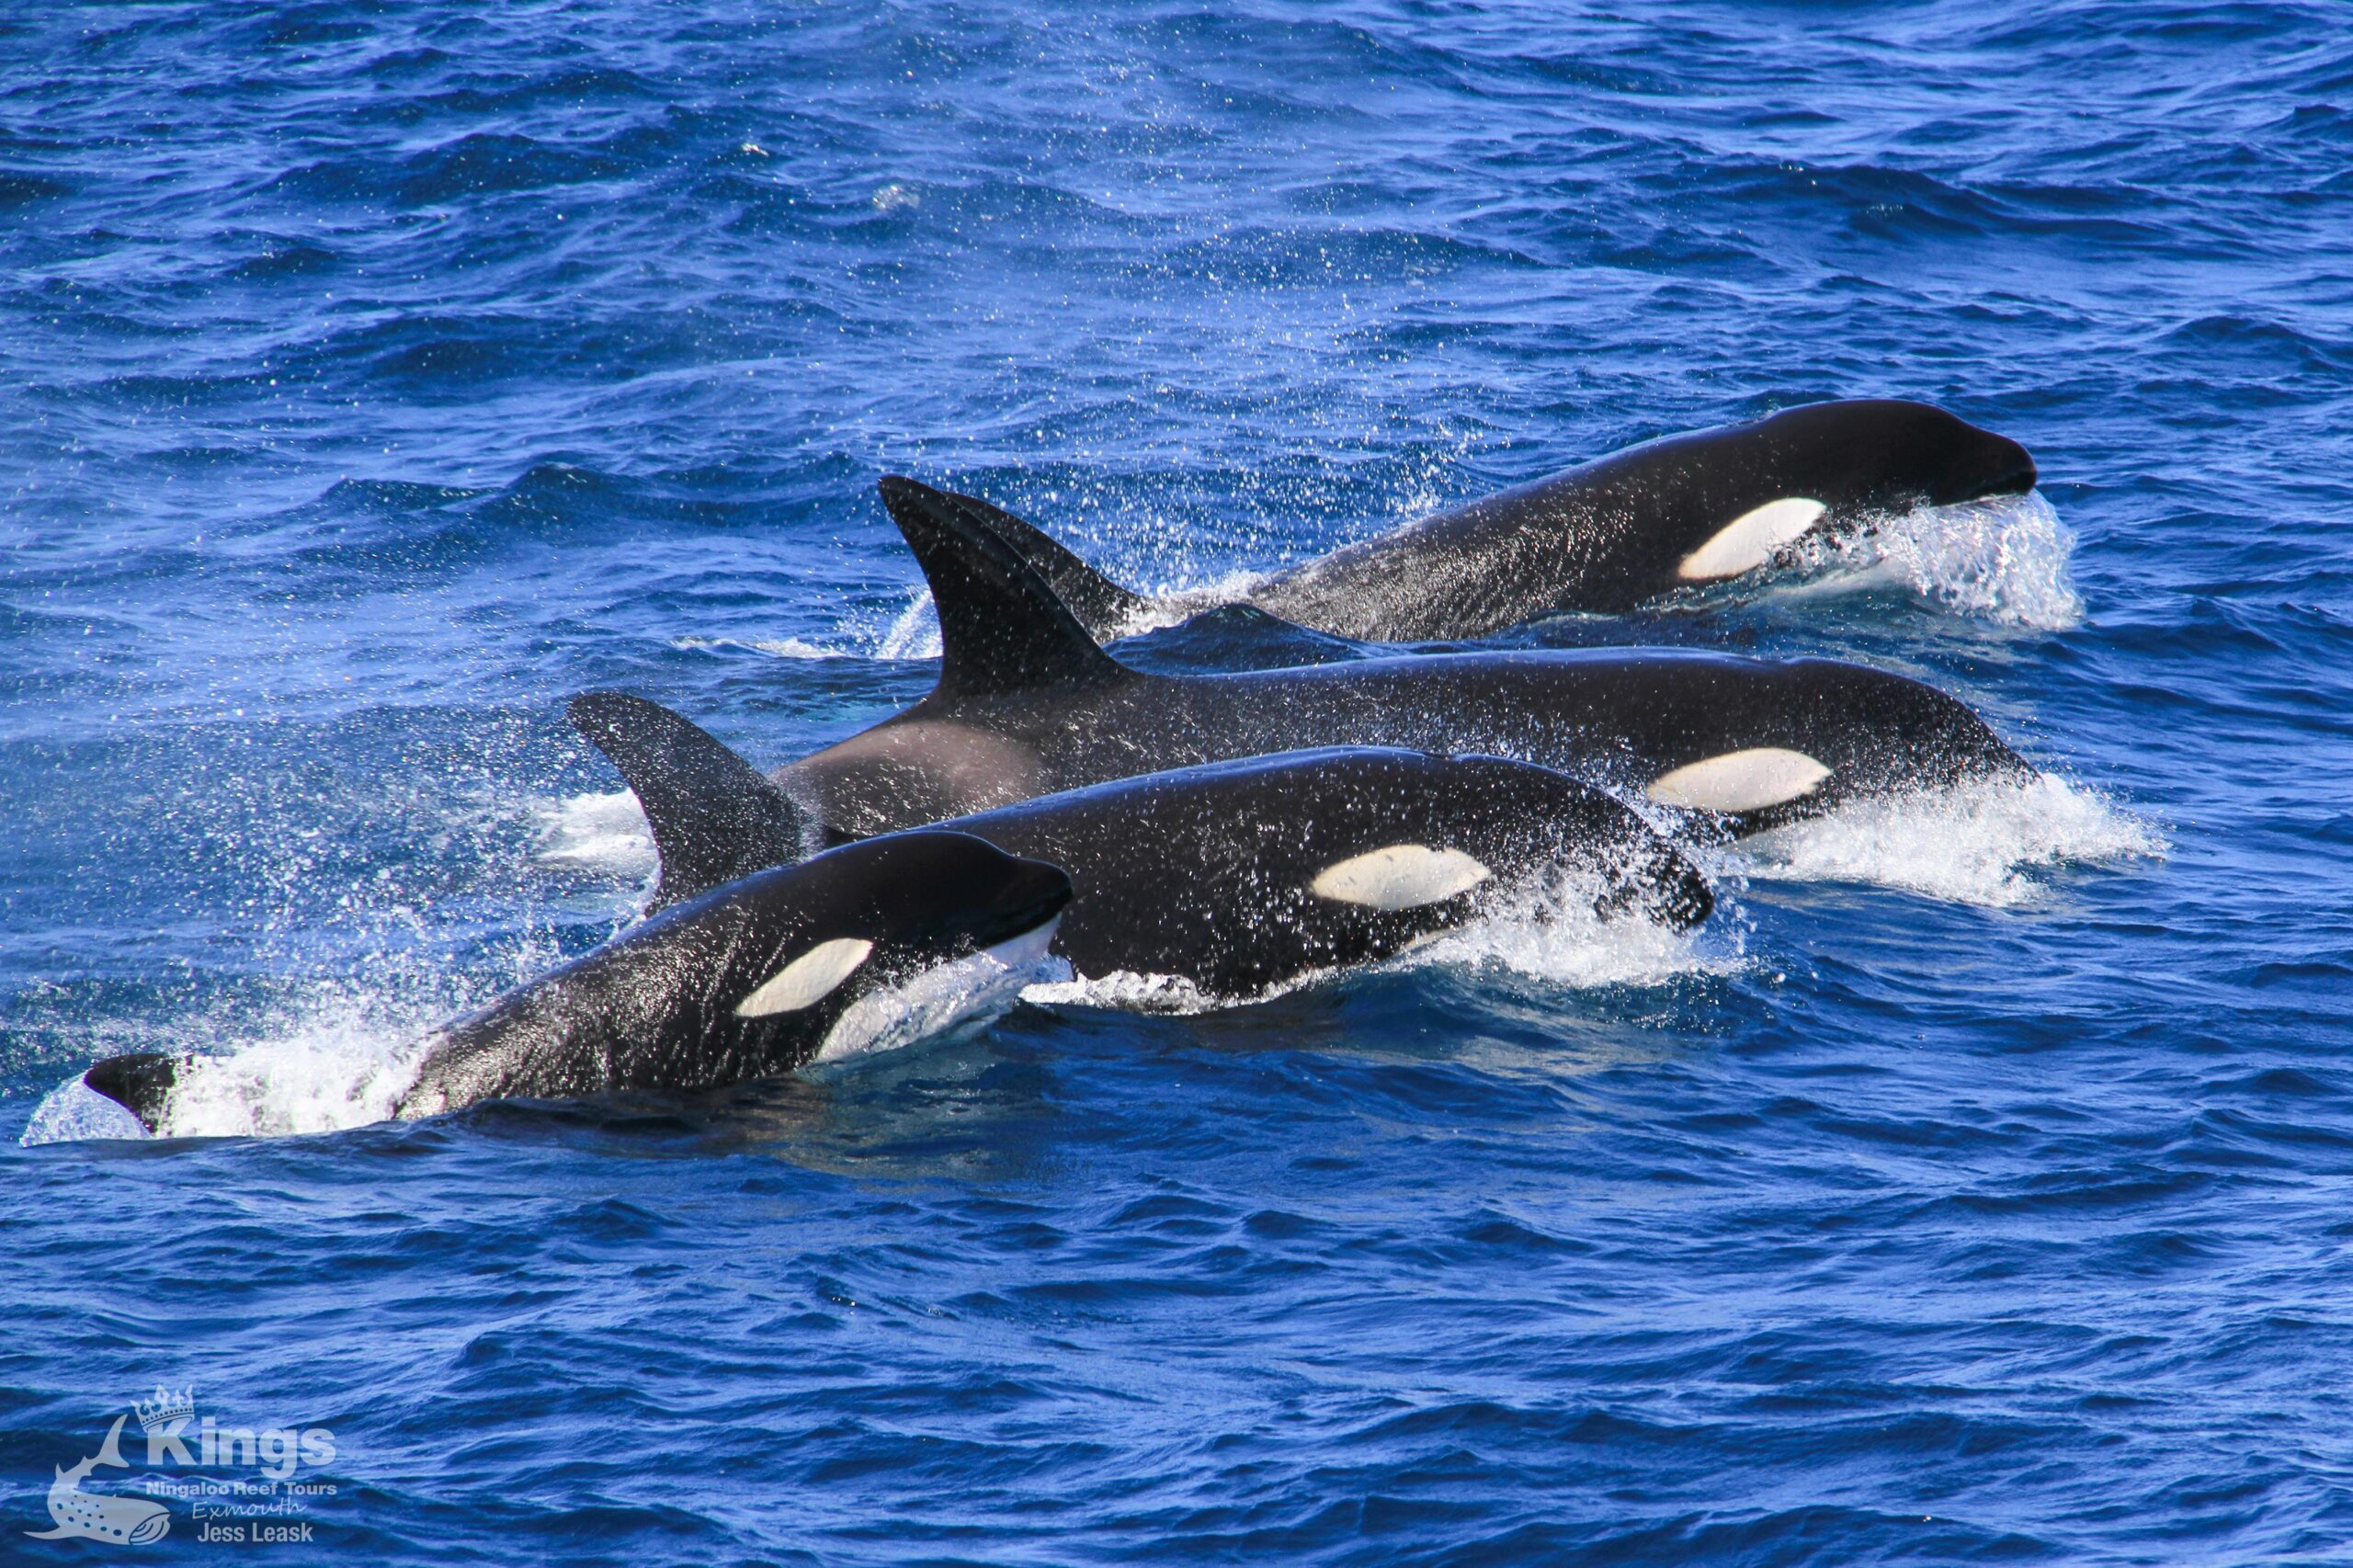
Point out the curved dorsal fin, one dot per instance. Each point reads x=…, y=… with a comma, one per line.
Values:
x=1001, y=628
x=1101, y=606
x=715, y=817
x=141, y=1082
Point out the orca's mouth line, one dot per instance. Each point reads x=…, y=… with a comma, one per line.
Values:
x=1022, y=920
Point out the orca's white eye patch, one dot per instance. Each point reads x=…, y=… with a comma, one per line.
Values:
x=1399, y=876
x=1747, y=780
x=807, y=979
x=1750, y=540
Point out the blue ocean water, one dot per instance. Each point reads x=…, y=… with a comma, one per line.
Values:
x=373, y=377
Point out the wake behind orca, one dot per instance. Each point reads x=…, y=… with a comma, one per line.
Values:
x=1603, y=537
x=1027, y=704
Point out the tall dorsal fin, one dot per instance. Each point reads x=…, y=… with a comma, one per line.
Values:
x=715, y=817
x=1101, y=606
x=1001, y=628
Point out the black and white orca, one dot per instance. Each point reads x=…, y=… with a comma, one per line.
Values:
x=1234, y=877
x=1027, y=705
x=745, y=979
x=1603, y=537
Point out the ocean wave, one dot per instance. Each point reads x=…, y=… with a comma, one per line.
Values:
x=1556, y=936
x=774, y=647
x=2008, y=561
x=1989, y=844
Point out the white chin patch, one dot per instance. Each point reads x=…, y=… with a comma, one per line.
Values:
x=807, y=979
x=1399, y=876
x=1746, y=780
x=963, y=991
x=1750, y=540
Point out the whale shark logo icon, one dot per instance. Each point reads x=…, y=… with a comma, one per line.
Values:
x=100, y=1516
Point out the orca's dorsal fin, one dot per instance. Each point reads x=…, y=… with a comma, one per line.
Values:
x=1001, y=628
x=140, y=1083
x=715, y=817
x=1101, y=606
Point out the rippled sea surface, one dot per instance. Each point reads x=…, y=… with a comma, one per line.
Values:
x=374, y=377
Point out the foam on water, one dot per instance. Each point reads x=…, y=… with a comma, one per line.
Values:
x=908, y=633
x=1975, y=844
x=1127, y=992
x=915, y=632
x=335, y=1073
x=338, y=1059
x=74, y=1112
x=2007, y=560
x=774, y=647
x=1557, y=937
x=1173, y=605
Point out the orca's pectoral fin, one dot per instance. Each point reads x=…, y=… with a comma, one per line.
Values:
x=1101, y=606
x=141, y=1082
x=1002, y=627
x=715, y=817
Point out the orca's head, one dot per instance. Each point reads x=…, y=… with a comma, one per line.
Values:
x=1945, y=460
x=762, y=975
x=805, y=944
x=1980, y=464
x=1891, y=452
x=923, y=896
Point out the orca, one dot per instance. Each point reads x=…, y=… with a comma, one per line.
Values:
x=1604, y=537
x=747, y=979
x=1027, y=705
x=1234, y=877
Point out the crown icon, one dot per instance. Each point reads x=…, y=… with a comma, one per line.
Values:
x=166, y=1407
